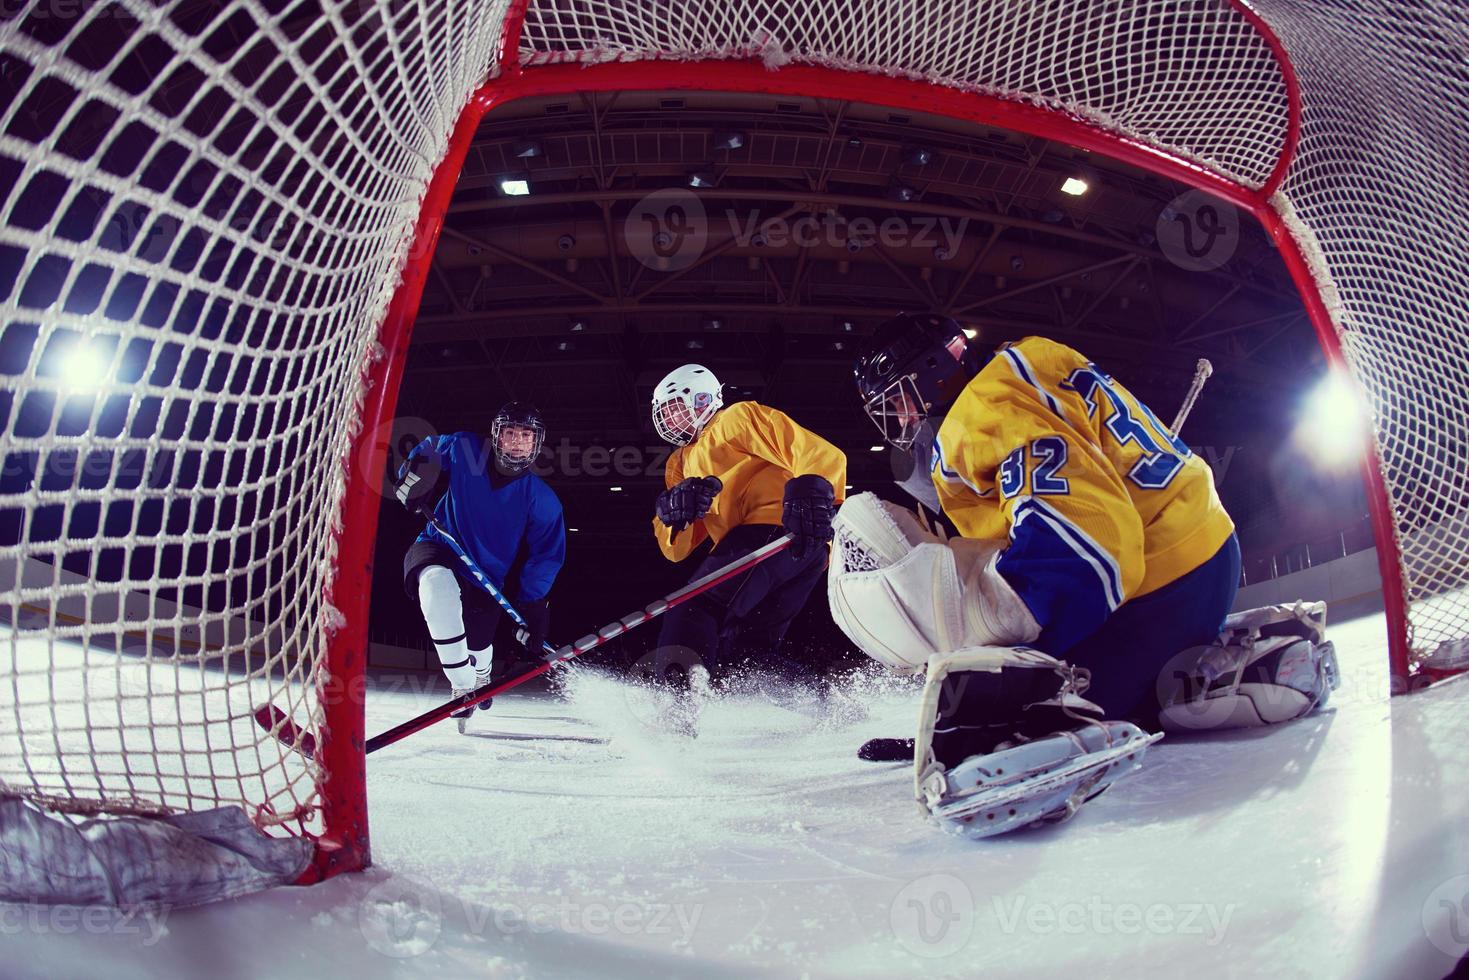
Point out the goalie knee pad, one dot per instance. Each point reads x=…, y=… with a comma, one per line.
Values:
x=1268, y=666
x=902, y=593
x=1005, y=741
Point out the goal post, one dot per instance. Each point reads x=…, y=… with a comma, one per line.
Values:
x=220, y=223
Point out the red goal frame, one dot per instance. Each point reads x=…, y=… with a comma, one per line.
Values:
x=343, y=845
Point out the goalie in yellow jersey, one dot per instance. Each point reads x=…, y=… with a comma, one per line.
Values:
x=741, y=476
x=1093, y=553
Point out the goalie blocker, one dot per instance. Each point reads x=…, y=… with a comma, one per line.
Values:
x=1005, y=737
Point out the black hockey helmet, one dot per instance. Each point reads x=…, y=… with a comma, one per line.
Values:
x=913, y=366
x=517, y=415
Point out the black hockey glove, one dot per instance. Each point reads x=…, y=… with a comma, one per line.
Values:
x=808, y=510
x=422, y=480
x=537, y=616
x=688, y=500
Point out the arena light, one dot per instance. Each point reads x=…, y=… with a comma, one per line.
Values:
x=1075, y=186
x=874, y=449
x=515, y=185
x=1331, y=429
x=971, y=333
x=83, y=367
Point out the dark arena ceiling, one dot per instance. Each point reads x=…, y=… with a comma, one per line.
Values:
x=548, y=296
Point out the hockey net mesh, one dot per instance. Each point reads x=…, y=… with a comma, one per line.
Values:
x=206, y=208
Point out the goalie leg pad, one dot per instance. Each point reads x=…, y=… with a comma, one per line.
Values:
x=1022, y=780
x=1270, y=665
x=1038, y=782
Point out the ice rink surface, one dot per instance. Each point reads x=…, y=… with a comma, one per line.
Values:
x=1334, y=846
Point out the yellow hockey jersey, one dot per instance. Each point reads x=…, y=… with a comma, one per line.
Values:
x=1099, y=500
x=754, y=450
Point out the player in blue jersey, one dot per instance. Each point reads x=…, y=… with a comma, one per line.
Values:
x=506, y=518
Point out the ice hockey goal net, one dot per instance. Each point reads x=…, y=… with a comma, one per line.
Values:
x=217, y=218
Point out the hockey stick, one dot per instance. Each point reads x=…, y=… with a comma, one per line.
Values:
x=284, y=727
x=481, y=579
x=1202, y=370
x=278, y=723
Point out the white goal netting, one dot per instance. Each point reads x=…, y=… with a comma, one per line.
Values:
x=205, y=208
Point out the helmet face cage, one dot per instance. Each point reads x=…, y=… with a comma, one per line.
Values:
x=683, y=411
x=514, y=462
x=898, y=411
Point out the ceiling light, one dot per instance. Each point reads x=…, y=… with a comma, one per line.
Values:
x=727, y=140
x=1074, y=186
x=525, y=149
x=918, y=156
x=702, y=178
x=578, y=326
x=517, y=185
x=901, y=192
x=615, y=489
x=971, y=333
x=874, y=449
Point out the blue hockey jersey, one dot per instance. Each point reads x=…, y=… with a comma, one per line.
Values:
x=498, y=521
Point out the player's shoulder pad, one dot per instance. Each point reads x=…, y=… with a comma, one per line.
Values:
x=1044, y=348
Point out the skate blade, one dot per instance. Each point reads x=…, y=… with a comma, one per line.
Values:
x=1044, y=796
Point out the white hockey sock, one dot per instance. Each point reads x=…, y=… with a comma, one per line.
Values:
x=443, y=612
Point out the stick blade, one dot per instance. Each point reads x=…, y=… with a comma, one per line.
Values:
x=285, y=729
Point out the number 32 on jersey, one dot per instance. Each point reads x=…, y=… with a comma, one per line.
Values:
x=1160, y=453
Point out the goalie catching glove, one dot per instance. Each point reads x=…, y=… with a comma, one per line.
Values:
x=903, y=594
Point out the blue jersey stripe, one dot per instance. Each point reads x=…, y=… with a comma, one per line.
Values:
x=1080, y=542
x=1066, y=586
x=941, y=465
x=1022, y=367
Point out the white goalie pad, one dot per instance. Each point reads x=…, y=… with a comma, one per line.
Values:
x=1269, y=665
x=902, y=593
x=1026, y=782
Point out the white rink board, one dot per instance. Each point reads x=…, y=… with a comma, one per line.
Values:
x=767, y=848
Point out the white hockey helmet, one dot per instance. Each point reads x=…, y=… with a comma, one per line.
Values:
x=684, y=402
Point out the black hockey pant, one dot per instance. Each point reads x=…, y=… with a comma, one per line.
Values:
x=743, y=620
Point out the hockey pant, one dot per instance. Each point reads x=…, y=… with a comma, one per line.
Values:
x=1127, y=652
x=460, y=617
x=743, y=620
